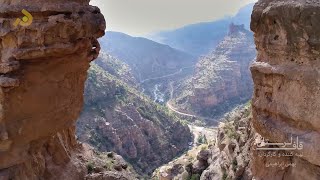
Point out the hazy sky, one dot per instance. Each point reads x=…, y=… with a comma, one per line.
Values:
x=142, y=17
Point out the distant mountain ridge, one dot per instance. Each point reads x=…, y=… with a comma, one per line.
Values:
x=199, y=39
x=146, y=58
x=196, y=39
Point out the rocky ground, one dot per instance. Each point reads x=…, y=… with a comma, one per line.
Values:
x=106, y=165
x=224, y=156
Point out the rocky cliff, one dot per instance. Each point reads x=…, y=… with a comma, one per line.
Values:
x=116, y=117
x=286, y=93
x=222, y=78
x=43, y=69
x=224, y=157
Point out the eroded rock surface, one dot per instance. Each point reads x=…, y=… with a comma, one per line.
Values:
x=116, y=117
x=286, y=76
x=225, y=157
x=222, y=78
x=43, y=69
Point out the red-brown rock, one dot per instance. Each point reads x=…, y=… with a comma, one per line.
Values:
x=286, y=76
x=43, y=69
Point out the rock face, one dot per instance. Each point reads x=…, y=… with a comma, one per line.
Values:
x=116, y=117
x=286, y=76
x=230, y=158
x=43, y=69
x=226, y=157
x=223, y=77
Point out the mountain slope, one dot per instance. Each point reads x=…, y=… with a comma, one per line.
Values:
x=222, y=78
x=199, y=39
x=146, y=58
x=116, y=68
x=117, y=118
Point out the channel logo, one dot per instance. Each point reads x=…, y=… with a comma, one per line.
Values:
x=26, y=19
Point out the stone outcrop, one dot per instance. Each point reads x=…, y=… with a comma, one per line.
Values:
x=106, y=165
x=43, y=69
x=230, y=158
x=222, y=78
x=286, y=94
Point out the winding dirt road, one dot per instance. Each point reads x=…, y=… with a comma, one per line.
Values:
x=178, y=112
x=171, y=96
x=182, y=113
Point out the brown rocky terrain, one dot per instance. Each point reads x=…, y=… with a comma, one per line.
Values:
x=286, y=94
x=116, y=117
x=222, y=78
x=106, y=165
x=224, y=157
x=43, y=69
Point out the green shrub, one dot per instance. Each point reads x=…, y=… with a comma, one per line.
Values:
x=231, y=131
x=234, y=164
x=224, y=175
x=195, y=177
x=204, y=147
x=205, y=141
x=90, y=167
x=108, y=165
x=202, y=139
x=145, y=113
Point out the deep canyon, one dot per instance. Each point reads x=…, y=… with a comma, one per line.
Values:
x=172, y=107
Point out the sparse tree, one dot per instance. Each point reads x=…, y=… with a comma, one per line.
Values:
x=205, y=141
x=200, y=139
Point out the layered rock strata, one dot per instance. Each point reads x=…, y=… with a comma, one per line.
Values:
x=43, y=69
x=222, y=79
x=287, y=96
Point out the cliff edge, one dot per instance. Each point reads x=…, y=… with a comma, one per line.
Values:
x=286, y=94
x=43, y=69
